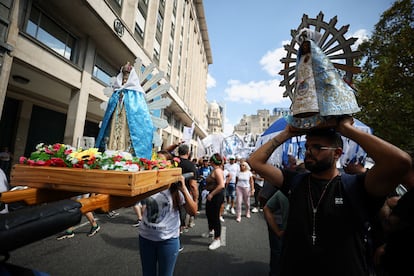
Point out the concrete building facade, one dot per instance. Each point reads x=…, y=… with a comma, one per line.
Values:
x=57, y=57
x=254, y=125
x=215, y=118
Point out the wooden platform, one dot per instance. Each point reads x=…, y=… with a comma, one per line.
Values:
x=110, y=189
x=118, y=183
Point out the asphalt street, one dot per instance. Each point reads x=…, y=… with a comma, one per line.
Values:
x=114, y=250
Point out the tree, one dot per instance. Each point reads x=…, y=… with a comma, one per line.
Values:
x=386, y=85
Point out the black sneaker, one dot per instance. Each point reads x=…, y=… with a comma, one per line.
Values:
x=94, y=230
x=137, y=224
x=65, y=235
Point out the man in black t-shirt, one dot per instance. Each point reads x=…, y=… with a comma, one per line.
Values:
x=187, y=166
x=325, y=228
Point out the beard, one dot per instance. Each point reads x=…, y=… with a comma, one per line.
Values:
x=318, y=165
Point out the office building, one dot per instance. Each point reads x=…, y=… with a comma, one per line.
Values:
x=56, y=58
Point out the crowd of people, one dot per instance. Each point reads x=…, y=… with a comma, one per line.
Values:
x=315, y=212
x=321, y=219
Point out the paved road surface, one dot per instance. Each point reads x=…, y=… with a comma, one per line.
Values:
x=114, y=250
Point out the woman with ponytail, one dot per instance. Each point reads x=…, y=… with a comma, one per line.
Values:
x=215, y=198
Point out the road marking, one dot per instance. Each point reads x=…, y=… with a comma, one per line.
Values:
x=223, y=236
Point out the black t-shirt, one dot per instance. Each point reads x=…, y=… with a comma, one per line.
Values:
x=186, y=167
x=339, y=246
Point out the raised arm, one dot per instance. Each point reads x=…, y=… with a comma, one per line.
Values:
x=190, y=205
x=258, y=159
x=391, y=163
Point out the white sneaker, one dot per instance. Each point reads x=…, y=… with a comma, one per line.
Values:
x=208, y=234
x=214, y=245
x=255, y=210
x=191, y=223
x=221, y=219
x=228, y=207
x=233, y=212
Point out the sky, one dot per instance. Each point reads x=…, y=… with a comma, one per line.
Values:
x=247, y=38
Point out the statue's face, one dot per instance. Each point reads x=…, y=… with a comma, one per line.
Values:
x=126, y=69
x=305, y=47
x=125, y=76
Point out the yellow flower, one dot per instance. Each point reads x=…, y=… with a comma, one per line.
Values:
x=86, y=154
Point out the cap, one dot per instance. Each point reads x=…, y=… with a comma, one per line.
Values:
x=232, y=157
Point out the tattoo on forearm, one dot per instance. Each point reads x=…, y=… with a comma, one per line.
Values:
x=275, y=142
x=272, y=146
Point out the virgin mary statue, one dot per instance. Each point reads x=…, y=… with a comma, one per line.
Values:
x=321, y=93
x=127, y=124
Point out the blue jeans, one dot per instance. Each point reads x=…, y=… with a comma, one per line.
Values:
x=161, y=254
x=231, y=191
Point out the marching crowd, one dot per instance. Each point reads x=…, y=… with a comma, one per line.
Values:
x=349, y=221
x=322, y=220
x=335, y=221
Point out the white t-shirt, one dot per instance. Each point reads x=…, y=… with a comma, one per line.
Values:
x=3, y=188
x=258, y=181
x=233, y=169
x=160, y=220
x=225, y=174
x=244, y=179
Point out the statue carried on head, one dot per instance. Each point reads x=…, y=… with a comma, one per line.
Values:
x=318, y=91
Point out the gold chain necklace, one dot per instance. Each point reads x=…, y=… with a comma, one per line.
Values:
x=315, y=208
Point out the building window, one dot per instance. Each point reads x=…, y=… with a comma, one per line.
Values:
x=140, y=20
x=172, y=34
x=140, y=24
x=51, y=34
x=160, y=21
x=116, y=5
x=102, y=70
x=169, y=69
x=177, y=124
x=157, y=49
x=167, y=116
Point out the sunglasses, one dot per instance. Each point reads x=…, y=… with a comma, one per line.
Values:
x=316, y=149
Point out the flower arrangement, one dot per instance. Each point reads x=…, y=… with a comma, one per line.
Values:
x=61, y=155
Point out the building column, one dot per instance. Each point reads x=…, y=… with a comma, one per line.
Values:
x=22, y=129
x=78, y=103
x=6, y=47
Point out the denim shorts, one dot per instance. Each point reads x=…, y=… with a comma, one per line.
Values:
x=231, y=190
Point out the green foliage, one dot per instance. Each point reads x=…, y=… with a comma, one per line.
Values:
x=386, y=86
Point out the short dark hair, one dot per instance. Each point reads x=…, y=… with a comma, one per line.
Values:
x=329, y=133
x=183, y=149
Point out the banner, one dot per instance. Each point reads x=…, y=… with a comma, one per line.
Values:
x=188, y=133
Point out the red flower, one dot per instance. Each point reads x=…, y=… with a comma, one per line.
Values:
x=56, y=147
x=39, y=163
x=57, y=162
